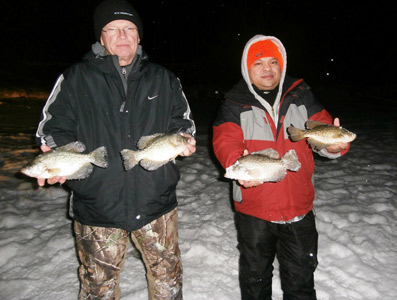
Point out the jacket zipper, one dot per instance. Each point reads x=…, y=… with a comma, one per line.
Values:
x=124, y=118
x=124, y=72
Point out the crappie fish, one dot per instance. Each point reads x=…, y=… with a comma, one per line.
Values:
x=263, y=166
x=155, y=151
x=66, y=161
x=320, y=135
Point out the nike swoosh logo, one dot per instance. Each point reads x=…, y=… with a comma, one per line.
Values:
x=151, y=98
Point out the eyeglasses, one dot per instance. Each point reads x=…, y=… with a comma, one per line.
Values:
x=115, y=31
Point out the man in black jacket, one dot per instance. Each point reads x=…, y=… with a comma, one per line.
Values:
x=113, y=98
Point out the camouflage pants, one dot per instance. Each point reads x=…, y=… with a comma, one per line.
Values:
x=102, y=254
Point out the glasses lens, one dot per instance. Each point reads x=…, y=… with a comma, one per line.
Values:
x=113, y=31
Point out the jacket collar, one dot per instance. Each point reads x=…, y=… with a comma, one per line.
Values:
x=109, y=63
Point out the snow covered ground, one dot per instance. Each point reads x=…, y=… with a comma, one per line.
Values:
x=356, y=202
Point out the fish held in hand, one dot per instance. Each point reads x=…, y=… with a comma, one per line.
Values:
x=264, y=166
x=320, y=135
x=66, y=161
x=155, y=150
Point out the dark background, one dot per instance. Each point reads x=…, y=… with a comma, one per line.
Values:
x=339, y=41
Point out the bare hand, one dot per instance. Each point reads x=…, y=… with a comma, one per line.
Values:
x=335, y=148
x=191, y=145
x=52, y=180
x=249, y=184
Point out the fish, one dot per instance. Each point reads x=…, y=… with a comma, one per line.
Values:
x=264, y=166
x=66, y=161
x=155, y=151
x=320, y=135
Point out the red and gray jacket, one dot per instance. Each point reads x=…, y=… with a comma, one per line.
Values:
x=246, y=121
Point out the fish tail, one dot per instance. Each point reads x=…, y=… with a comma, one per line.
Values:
x=100, y=157
x=290, y=161
x=130, y=158
x=295, y=134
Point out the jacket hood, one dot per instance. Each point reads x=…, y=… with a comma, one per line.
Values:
x=273, y=111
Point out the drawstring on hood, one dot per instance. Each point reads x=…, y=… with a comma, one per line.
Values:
x=274, y=48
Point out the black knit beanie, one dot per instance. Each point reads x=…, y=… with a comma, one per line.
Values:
x=110, y=10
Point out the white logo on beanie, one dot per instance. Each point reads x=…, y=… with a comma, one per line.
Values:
x=123, y=13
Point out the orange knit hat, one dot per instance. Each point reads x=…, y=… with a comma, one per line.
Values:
x=261, y=49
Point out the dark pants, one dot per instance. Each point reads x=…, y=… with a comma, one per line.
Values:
x=295, y=245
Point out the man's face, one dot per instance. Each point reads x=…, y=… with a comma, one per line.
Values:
x=265, y=73
x=120, y=37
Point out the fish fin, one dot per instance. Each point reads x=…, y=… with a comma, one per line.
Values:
x=129, y=158
x=295, y=134
x=77, y=147
x=254, y=173
x=152, y=165
x=99, y=157
x=82, y=172
x=290, y=161
x=53, y=171
x=146, y=140
x=310, y=124
x=316, y=145
x=270, y=152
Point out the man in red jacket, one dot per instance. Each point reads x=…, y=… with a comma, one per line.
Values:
x=272, y=218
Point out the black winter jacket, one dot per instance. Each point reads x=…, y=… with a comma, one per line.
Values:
x=89, y=104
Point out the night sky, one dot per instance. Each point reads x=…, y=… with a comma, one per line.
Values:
x=339, y=41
